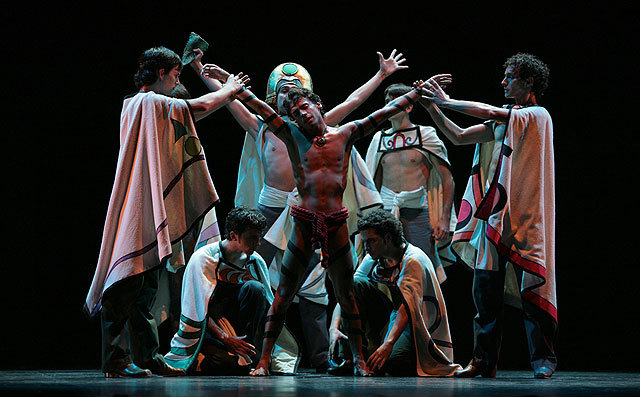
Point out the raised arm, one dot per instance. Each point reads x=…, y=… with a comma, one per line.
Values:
x=269, y=116
x=387, y=67
x=212, y=76
x=208, y=103
x=361, y=128
x=433, y=92
x=458, y=136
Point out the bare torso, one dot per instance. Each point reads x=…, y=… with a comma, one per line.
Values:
x=404, y=170
x=276, y=164
x=320, y=170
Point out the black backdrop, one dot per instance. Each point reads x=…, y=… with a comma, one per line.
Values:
x=68, y=68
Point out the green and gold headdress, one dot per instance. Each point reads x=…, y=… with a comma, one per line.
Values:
x=284, y=73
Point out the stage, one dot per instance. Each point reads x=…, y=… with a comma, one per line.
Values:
x=508, y=383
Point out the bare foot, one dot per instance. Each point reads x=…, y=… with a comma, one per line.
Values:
x=261, y=370
x=360, y=368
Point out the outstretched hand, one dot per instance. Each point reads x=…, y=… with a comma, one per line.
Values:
x=237, y=345
x=379, y=357
x=443, y=80
x=389, y=65
x=236, y=83
x=214, y=72
x=432, y=91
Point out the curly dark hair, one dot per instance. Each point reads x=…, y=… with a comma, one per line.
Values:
x=151, y=61
x=241, y=218
x=383, y=223
x=527, y=66
x=297, y=93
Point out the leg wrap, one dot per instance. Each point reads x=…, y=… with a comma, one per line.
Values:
x=297, y=253
x=349, y=327
x=350, y=316
x=288, y=273
x=339, y=254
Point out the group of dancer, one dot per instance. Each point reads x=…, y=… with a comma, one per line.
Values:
x=308, y=207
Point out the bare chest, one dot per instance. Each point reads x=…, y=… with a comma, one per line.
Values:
x=327, y=151
x=404, y=159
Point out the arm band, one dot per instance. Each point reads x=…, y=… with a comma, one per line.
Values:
x=360, y=129
x=248, y=99
x=373, y=122
x=271, y=118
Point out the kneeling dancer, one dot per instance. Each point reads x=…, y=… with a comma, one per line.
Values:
x=403, y=313
x=225, y=297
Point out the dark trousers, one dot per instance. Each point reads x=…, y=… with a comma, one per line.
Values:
x=417, y=228
x=488, y=296
x=315, y=331
x=245, y=306
x=128, y=303
x=377, y=313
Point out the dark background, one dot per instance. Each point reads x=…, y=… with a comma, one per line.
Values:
x=68, y=68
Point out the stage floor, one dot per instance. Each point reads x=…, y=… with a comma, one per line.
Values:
x=508, y=383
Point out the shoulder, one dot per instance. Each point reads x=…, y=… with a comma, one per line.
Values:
x=429, y=134
x=258, y=258
x=211, y=250
x=531, y=111
x=414, y=256
x=533, y=114
x=540, y=111
x=428, y=131
x=152, y=99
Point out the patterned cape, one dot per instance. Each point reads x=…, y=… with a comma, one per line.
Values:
x=427, y=142
x=161, y=195
x=508, y=207
x=201, y=276
x=416, y=278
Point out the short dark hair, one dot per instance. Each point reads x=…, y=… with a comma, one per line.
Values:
x=151, y=61
x=396, y=90
x=527, y=66
x=383, y=223
x=297, y=93
x=241, y=218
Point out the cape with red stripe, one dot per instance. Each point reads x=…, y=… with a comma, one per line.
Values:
x=508, y=207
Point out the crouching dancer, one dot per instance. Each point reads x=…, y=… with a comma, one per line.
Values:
x=225, y=297
x=403, y=313
x=319, y=156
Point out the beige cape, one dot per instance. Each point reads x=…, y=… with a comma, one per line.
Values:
x=508, y=207
x=161, y=193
